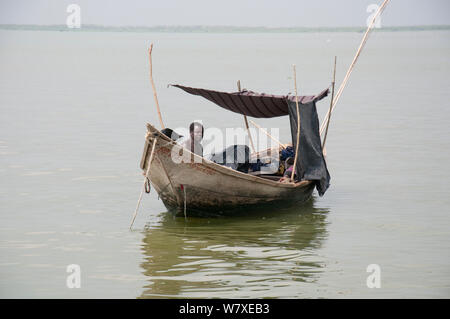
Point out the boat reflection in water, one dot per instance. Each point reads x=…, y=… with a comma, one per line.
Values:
x=266, y=253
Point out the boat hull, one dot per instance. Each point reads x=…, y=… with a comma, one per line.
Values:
x=187, y=182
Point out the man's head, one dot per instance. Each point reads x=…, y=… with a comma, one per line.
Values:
x=196, y=130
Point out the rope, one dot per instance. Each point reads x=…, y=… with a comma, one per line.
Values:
x=147, y=185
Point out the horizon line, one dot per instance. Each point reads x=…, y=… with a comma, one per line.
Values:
x=215, y=28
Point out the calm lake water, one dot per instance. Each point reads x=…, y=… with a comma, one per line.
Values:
x=73, y=110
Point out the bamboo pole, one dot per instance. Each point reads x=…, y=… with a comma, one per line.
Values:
x=265, y=132
x=298, y=125
x=246, y=122
x=147, y=173
x=350, y=69
x=331, y=103
x=153, y=86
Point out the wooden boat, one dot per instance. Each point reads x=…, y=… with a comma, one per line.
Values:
x=199, y=185
x=203, y=186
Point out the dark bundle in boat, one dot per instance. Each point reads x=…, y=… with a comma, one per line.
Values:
x=235, y=157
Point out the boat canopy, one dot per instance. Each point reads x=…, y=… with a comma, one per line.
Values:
x=311, y=163
x=259, y=105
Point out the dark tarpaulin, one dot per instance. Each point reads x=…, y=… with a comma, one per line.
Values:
x=235, y=156
x=253, y=104
x=310, y=162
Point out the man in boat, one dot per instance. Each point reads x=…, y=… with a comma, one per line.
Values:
x=193, y=143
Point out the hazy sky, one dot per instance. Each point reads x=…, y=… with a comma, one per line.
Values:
x=270, y=13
